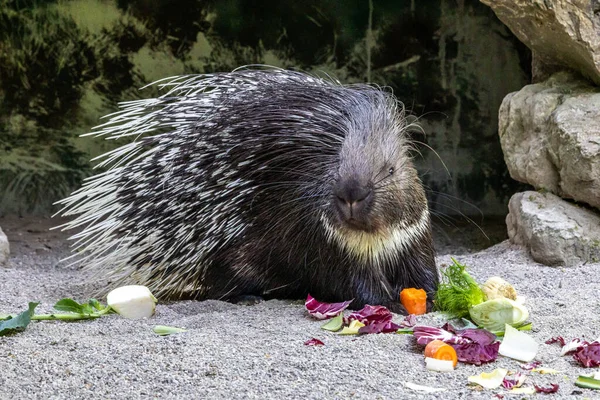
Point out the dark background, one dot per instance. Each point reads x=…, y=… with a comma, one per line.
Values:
x=67, y=63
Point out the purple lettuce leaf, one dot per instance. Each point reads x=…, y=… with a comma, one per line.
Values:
x=457, y=325
x=475, y=353
x=556, y=339
x=515, y=380
x=314, y=342
x=371, y=314
x=470, y=331
x=573, y=346
x=480, y=336
x=379, y=327
x=589, y=356
x=409, y=321
x=552, y=389
x=426, y=334
x=321, y=310
x=531, y=365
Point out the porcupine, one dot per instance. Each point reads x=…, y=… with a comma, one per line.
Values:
x=259, y=182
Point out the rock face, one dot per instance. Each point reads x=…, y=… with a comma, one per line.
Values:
x=4, y=248
x=563, y=32
x=550, y=136
x=555, y=231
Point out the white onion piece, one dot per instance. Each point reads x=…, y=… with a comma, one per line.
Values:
x=133, y=302
x=433, y=364
x=489, y=380
x=518, y=345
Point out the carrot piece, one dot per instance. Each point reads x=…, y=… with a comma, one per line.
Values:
x=433, y=346
x=441, y=351
x=414, y=300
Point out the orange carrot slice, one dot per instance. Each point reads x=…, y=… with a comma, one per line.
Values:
x=441, y=351
x=414, y=300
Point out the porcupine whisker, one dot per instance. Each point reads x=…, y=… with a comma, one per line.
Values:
x=277, y=288
x=436, y=154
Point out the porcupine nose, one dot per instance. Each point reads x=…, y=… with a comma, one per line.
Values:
x=352, y=200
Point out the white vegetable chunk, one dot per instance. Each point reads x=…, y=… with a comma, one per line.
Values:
x=518, y=345
x=133, y=302
x=489, y=380
x=433, y=364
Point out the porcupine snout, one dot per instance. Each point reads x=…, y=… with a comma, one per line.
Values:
x=352, y=201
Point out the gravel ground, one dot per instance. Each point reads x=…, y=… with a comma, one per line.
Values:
x=258, y=352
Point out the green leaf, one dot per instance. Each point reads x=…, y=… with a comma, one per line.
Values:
x=334, y=324
x=457, y=291
x=163, y=330
x=96, y=305
x=70, y=305
x=18, y=323
x=494, y=314
x=524, y=327
x=587, y=382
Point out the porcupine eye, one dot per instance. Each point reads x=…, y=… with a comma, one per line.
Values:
x=391, y=171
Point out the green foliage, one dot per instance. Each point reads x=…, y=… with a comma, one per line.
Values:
x=334, y=324
x=34, y=182
x=458, y=291
x=17, y=323
x=73, y=311
x=46, y=61
x=69, y=305
x=163, y=330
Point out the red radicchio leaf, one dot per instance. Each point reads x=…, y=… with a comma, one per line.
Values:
x=480, y=336
x=574, y=345
x=379, y=327
x=552, y=389
x=371, y=314
x=475, y=353
x=324, y=310
x=531, y=365
x=458, y=325
x=313, y=342
x=426, y=334
x=515, y=380
x=409, y=321
x=556, y=339
x=589, y=356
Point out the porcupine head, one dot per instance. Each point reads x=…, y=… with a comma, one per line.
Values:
x=378, y=214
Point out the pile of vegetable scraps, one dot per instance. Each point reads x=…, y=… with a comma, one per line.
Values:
x=479, y=314
x=491, y=305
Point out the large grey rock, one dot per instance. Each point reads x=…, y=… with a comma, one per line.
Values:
x=4, y=248
x=555, y=231
x=564, y=32
x=550, y=137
